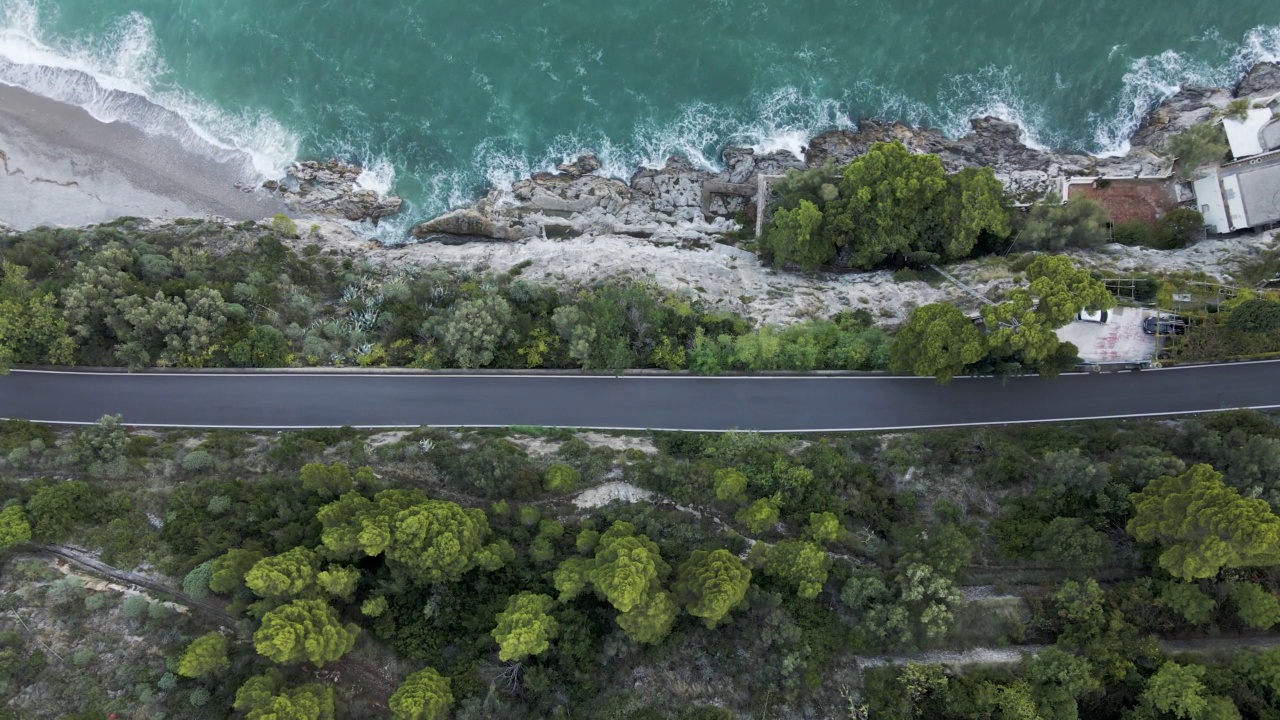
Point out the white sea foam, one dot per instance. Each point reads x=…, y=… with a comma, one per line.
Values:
x=379, y=175
x=120, y=77
x=1152, y=79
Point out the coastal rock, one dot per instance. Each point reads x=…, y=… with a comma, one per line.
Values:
x=464, y=223
x=584, y=165
x=332, y=190
x=668, y=205
x=1263, y=79
x=1190, y=106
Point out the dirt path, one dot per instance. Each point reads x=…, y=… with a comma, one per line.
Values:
x=1013, y=654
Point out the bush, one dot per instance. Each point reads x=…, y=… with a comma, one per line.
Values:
x=283, y=226
x=1196, y=147
x=197, y=461
x=560, y=478
x=1255, y=316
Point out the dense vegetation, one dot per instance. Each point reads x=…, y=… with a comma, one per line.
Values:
x=201, y=294
x=888, y=207
x=433, y=574
x=893, y=208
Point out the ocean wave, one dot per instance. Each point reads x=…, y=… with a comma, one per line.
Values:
x=120, y=78
x=1152, y=79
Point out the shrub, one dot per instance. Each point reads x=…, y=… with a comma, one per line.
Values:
x=198, y=697
x=1196, y=147
x=282, y=225
x=196, y=461
x=196, y=583
x=1257, y=315
x=560, y=478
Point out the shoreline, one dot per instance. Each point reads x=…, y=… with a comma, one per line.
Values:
x=62, y=167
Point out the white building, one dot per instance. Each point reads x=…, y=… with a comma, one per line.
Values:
x=1245, y=193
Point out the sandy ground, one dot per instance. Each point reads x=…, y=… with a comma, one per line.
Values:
x=60, y=166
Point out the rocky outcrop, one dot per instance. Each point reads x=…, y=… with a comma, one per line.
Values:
x=665, y=205
x=1263, y=79
x=661, y=205
x=332, y=190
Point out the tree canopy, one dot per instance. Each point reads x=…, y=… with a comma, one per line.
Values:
x=525, y=627
x=268, y=697
x=424, y=695
x=711, y=584
x=205, y=655
x=304, y=630
x=937, y=340
x=1203, y=525
x=889, y=205
x=432, y=541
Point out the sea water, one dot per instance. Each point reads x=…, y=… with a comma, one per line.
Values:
x=441, y=98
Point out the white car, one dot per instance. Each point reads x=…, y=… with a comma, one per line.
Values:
x=1100, y=316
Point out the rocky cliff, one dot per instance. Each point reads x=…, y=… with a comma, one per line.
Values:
x=668, y=205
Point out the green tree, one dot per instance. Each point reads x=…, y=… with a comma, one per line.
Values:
x=794, y=238
x=711, y=584
x=54, y=511
x=824, y=527
x=268, y=697
x=290, y=574
x=14, y=528
x=98, y=447
x=374, y=607
x=560, y=478
x=885, y=203
x=304, y=630
x=650, y=620
x=627, y=571
x=1256, y=315
x=1054, y=226
x=1179, y=691
x=730, y=485
x=205, y=655
x=432, y=540
x=1255, y=605
x=261, y=347
x=32, y=329
x=799, y=563
x=1070, y=542
x=1062, y=289
x=1197, y=146
x=760, y=515
x=329, y=481
x=525, y=627
x=893, y=203
x=1203, y=525
x=230, y=568
x=338, y=580
x=474, y=330
x=424, y=695
x=1189, y=601
x=937, y=340
x=1058, y=680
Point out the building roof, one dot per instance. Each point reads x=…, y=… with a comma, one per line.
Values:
x=1146, y=199
x=1245, y=136
x=1258, y=184
x=1209, y=198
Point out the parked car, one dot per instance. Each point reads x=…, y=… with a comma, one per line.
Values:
x=1098, y=316
x=1164, y=326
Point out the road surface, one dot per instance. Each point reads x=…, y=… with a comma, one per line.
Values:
x=792, y=404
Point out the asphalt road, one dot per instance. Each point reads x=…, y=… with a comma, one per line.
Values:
x=796, y=404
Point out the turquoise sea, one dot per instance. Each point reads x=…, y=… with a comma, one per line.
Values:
x=440, y=97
